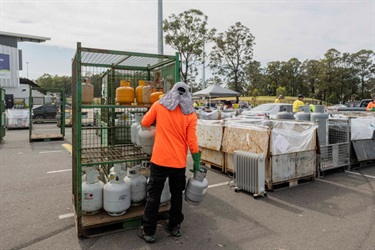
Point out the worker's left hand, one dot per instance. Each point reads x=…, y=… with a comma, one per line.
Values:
x=197, y=161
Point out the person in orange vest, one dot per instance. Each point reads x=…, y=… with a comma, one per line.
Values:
x=371, y=105
x=175, y=133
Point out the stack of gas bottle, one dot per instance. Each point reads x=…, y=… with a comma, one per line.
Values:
x=126, y=187
x=145, y=94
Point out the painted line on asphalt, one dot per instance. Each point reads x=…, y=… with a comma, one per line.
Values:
x=218, y=184
x=59, y=171
x=52, y=151
x=63, y=216
x=345, y=186
x=356, y=173
x=67, y=147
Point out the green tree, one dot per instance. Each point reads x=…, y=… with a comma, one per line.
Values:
x=272, y=78
x=56, y=82
x=187, y=33
x=281, y=91
x=233, y=50
x=328, y=75
x=310, y=75
x=291, y=76
x=363, y=62
x=255, y=94
x=254, y=78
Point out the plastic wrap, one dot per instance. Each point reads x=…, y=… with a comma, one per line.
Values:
x=17, y=118
x=362, y=128
x=227, y=114
x=290, y=138
x=213, y=115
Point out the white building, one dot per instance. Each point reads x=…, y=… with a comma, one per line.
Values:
x=11, y=64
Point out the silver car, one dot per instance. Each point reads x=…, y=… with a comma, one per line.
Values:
x=267, y=109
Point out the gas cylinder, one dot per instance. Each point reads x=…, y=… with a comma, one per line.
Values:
x=92, y=190
x=146, y=138
x=125, y=93
x=122, y=131
x=87, y=168
x=134, y=129
x=138, y=185
x=284, y=115
x=139, y=92
x=87, y=93
x=322, y=119
x=165, y=194
x=146, y=93
x=116, y=195
x=137, y=141
x=302, y=116
x=118, y=167
x=196, y=186
x=155, y=96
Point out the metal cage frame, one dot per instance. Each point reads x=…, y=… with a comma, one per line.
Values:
x=336, y=153
x=98, y=145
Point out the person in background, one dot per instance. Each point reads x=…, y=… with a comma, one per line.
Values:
x=279, y=98
x=236, y=105
x=196, y=104
x=371, y=105
x=297, y=103
x=312, y=107
x=175, y=133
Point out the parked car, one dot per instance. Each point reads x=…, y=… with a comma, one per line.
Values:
x=336, y=107
x=267, y=109
x=360, y=107
x=45, y=113
x=87, y=115
x=68, y=117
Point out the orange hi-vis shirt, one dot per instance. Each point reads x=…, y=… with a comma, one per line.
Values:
x=175, y=133
x=370, y=106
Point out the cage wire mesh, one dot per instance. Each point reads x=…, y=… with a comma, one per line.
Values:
x=337, y=152
x=102, y=128
x=43, y=112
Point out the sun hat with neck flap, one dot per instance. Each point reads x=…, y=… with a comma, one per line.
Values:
x=178, y=95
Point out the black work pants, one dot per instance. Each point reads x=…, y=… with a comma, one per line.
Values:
x=155, y=187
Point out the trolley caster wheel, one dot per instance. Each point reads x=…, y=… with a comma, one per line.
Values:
x=236, y=190
x=265, y=195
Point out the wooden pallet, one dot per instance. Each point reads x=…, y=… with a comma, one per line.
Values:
x=46, y=137
x=102, y=224
x=212, y=166
x=229, y=172
x=290, y=183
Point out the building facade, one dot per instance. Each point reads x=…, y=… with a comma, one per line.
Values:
x=11, y=64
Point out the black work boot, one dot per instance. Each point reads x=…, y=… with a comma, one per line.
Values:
x=147, y=238
x=175, y=231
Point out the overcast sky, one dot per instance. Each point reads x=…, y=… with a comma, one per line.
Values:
x=304, y=29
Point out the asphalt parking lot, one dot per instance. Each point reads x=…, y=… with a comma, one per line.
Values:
x=36, y=212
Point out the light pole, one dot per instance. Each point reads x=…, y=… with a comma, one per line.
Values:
x=160, y=27
x=27, y=70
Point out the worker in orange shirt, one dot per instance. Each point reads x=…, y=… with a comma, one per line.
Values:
x=176, y=123
x=371, y=105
